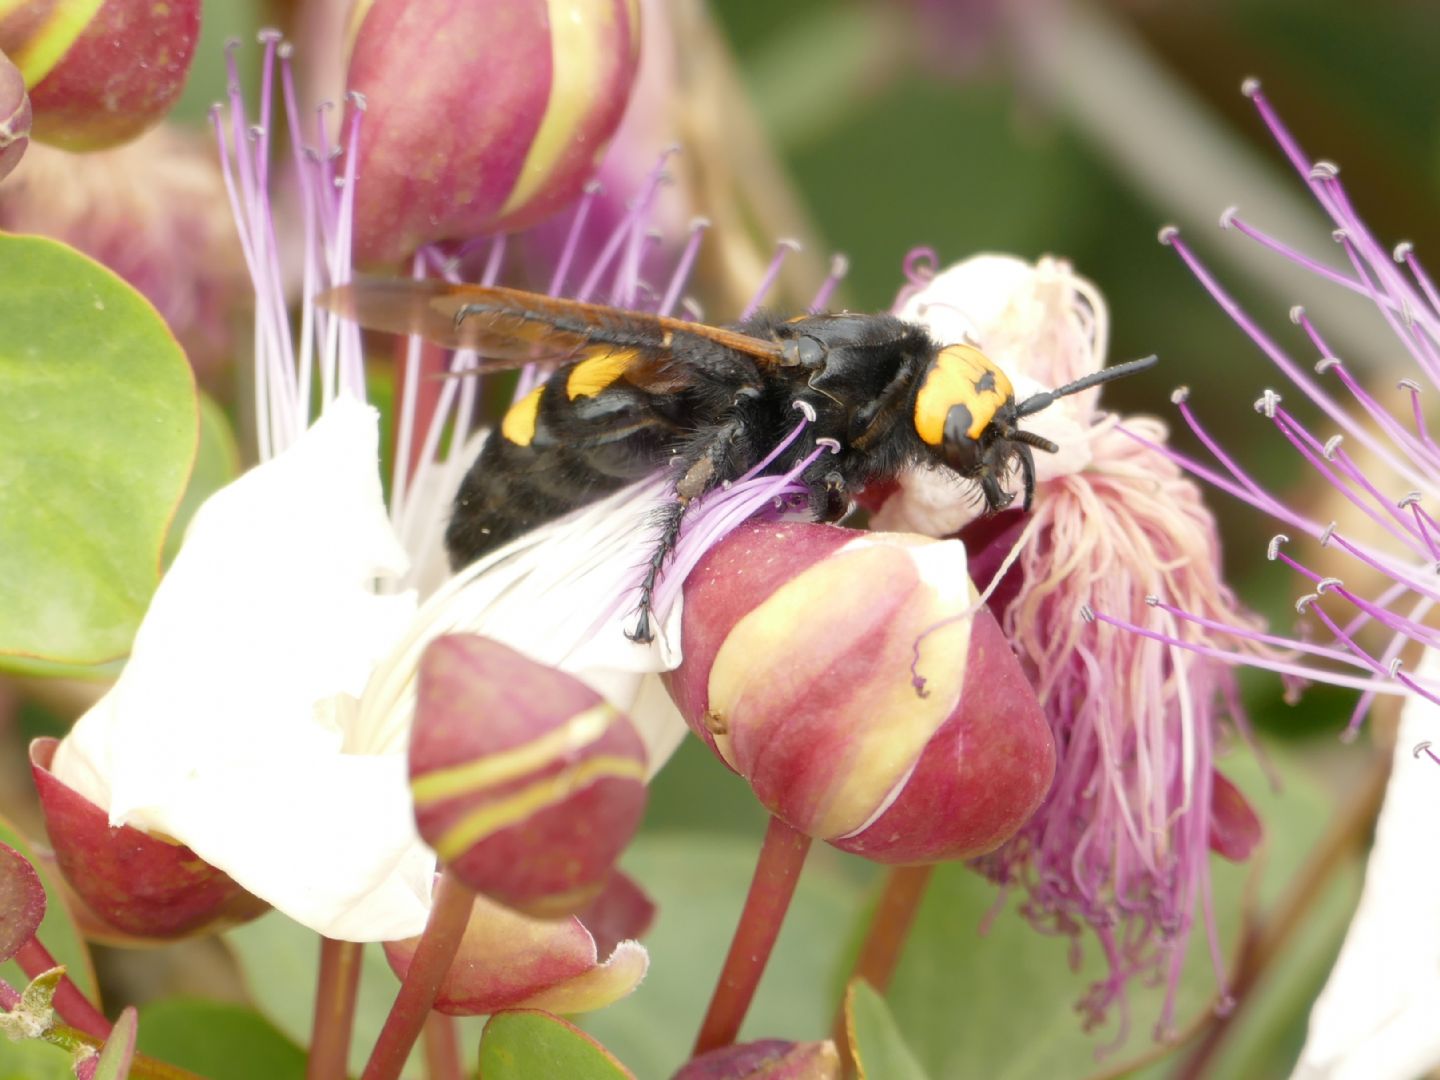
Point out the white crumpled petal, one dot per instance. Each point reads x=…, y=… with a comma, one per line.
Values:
x=563, y=595
x=232, y=728
x=1043, y=326
x=1378, y=1017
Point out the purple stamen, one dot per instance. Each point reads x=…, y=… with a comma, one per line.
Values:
x=572, y=237
x=683, y=265
x=839, y=267
x=782, y=248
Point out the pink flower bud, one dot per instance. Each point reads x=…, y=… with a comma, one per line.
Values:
x=527, y=783
x=15, y=116
x=509, y=961
x=766, y=1059
x=847, y=677
x=140, y=885
x=101, y=80
x=481, y=116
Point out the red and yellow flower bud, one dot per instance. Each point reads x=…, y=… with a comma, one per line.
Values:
x=15, y=116
x=510, y=961
x=526, y=782
x=849, y=679
x=99, y=71
x=136, y=884
x=483, y=115
x=767, y=1059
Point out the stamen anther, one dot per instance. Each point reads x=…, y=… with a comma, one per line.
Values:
x=833, y=445
x=1421, y=747
x=1328, y=534
x=1331, y=445
x=1152, y=600
x=1297, y=312
x=1325, y=363
x=1180, y=395
x=1409, y=500
x=1324, y=170
x=1250, y=86
x=806, y=409
x=1304, y=602
x=1087, y=613
x=1402, y=251
x=1272, y=549
x=1167, y=233
x=1267, y=402
x=1408, y=384
x=1324, y=585
x=1227, y=216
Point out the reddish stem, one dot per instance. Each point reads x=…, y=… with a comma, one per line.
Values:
x=428, y=967
x=73, y=1006
x=335, y=990
x=885, y=939
x=776, y=873
x=442, y=1048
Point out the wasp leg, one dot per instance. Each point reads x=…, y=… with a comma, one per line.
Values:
x=705, y=472
x=1027, y=470
x=829, y=500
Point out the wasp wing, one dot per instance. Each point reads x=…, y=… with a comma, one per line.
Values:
x=509, y=327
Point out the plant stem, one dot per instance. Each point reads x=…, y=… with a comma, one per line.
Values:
x=885, y=939
x=73, y=1006
x=442, y=1048
x=782, y=856
x=335, y=990
x=431, y=961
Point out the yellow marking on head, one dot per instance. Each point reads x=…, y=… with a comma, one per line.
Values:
x=962, y=375
x=518, y=424
x=589, y=377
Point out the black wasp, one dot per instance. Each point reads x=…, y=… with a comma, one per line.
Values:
x=632, y=393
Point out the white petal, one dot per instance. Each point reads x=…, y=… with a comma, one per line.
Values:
x=232, y=727
x=1376, y=1019
x=564, y=595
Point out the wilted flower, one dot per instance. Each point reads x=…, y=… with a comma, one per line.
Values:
x=491, y=125
x=154, y=211
x=1380, y=468
x=850, y=678
x=102, y=73
x=1122, y=842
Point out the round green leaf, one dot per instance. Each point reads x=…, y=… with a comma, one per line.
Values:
x=527, y=1043
x=98, y=430
x=878, y=1046
x=217, y=1040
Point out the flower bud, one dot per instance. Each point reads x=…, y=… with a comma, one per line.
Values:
x=15, y=116
x=510, y=961
x=22, y=899
x=484, y=116
x=100, y=80
x=765, y=1059
x=1235, y=827
x=527, y=783
x=848, y=678
x=133, y=882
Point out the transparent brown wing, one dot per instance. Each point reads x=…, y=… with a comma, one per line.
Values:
x=508, y=327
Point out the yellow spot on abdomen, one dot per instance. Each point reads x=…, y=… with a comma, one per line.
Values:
x=962, y=375
x=518, y=425
x=589, y=377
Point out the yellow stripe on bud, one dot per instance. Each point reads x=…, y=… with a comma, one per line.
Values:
x=51, y=39
x=581, y=32
x=581, y=730
x=489, y=819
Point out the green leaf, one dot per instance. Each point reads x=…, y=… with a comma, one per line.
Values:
x=217, y=462
x=119, y=1050
x=218, y=1040
x=1002, y=1004
x=58, y=931
x=699, y=881
x=34, y=1060
x=98, y=430
x=280, y=960
x=878, y=1046
x=528, y=1043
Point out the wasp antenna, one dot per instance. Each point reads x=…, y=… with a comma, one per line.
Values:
x=1035, y=402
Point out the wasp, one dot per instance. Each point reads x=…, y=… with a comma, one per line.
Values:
x=632, y=393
